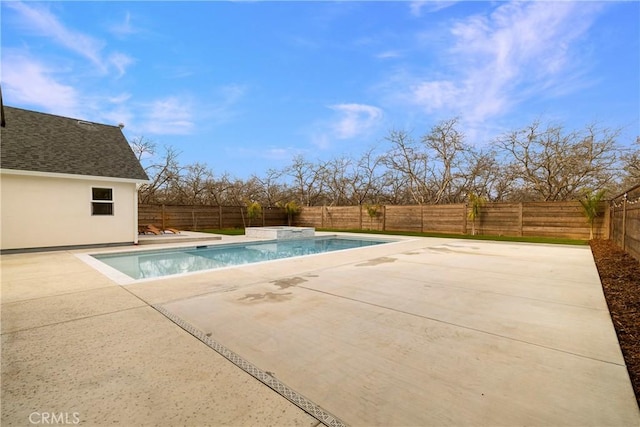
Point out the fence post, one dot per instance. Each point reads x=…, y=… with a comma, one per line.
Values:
x=322, y=216
x=624, y=223
x=421, y=218
x=384, y=217
x=612, y=219
x=360, y=219
x=464, y=218
x=606, y=233
x=520, y=219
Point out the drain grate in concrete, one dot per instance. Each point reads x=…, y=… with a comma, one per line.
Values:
x=291, y=395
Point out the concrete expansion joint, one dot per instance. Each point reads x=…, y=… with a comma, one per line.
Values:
x=64, y=294
x=202, y=294
x=465, y=327
x=512, y=295
x=267, y=378
x=62, y=322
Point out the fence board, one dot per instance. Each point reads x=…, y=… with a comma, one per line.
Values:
x=445, y=218
x=346, y=217
x=403, y=218
x=625, y=221
x=310, y=217
x=545, y=219
x=203, y=217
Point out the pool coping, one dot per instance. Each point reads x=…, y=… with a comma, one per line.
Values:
x=123, y=279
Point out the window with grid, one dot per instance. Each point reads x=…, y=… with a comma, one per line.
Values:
x=101, y=201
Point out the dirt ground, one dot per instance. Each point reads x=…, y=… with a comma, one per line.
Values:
x=620, y=277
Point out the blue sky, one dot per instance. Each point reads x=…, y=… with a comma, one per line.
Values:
x=245, y=86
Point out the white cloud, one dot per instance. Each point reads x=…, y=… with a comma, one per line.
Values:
x=321, y=141
x=222, y=105
x=499, y=60
x=435, y=95
x=168, y=116
x=355, y=120
x=277, y=153
x=232, y=93
x=30, y=82
x=40, y=86
x=430, y=6
x=351, y=121
x=119, y=99
x=124, y=28
x=42, y=22
x=117, y=114
x=120, y=61
x=116, y=109
x=389, y=54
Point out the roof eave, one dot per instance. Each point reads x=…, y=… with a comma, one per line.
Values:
x=71, y=176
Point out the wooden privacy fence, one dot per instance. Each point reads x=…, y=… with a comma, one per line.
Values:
x=625, y=221
x=206, y=217
x=529, y=219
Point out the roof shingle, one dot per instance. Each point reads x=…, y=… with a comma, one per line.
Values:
x=33, y=141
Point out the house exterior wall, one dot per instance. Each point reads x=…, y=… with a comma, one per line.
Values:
x=41, y=212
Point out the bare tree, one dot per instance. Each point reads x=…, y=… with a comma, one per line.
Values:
x=163, y=171
x=395, y=188
x=252, y=191
x=142, y=147
x=272, y=192
x=339, y=176
x=631, y=166
x=532, y=163
x=235, y=192
x=447, y=148
x=485, y=176
x=191, y=189
x=558, y=165
x=217, y=190
x=308, y=180
x=366, y=180
x=406, y=158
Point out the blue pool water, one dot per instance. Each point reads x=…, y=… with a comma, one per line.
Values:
x=158, y=263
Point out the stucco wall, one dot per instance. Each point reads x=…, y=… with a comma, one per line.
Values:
x=44, y=212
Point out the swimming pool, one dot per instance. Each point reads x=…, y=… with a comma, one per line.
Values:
x=165, y=262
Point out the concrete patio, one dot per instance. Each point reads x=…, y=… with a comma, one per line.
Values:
x=419, y=332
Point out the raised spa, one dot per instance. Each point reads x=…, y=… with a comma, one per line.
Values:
x=279, y=232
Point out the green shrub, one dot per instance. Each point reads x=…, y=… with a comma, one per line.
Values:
x=254, y=211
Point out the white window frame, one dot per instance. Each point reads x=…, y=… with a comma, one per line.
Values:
x=95, y=202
